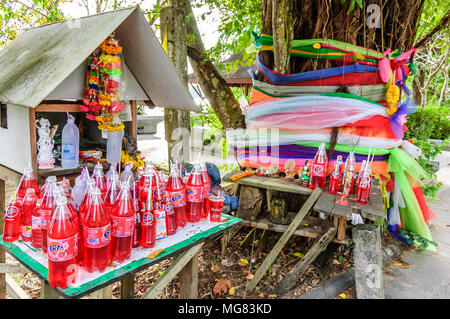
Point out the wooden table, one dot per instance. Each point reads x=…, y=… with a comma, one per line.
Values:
x=184, y=244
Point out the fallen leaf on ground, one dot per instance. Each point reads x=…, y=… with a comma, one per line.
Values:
x=232, y=291
x=249, y=276
x=222, y=286
x=299, y=255
x=155, y=253
x=397, y=264
x=261, y=295
x=214, y=268
x=343, y=296
x=243, y=262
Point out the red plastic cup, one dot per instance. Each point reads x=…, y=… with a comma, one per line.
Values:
x=215, y=208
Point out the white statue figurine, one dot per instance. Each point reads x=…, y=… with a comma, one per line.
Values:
x=45, y=143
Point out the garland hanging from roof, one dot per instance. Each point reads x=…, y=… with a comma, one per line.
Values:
x=102, y=102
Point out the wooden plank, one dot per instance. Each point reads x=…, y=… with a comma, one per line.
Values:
x=374, y=208
x=13, y=268
x=315, y=227
x=33, y=140
x=2, y=251
x=171, y=272
x=273, y=183
x=343, y=211
x=47, y=292
x=189, y=279
x=292, y=276
x=284, y=238
x=342, y=226
x=325, y=203
x=127, y=287
x=72, y=108
x=134, y=119
x=9, y=175
x=104, y=293
x=14, y=290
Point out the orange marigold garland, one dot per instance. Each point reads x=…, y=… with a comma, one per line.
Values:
x=102, y=102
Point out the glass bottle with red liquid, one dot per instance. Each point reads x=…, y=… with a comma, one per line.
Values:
x=100, y=179
x=335, y=177
x=364, y=187
x=194, y=200
x=319, y=168
x=177, y=193
x=97, y=235
x=349, y=166
x=13, y=220
x=206, y=190
x=171, y=222
x=27, y=181
x=148, y=223
x=62, y=246
x=137, y=219
x=46, y=209
x=123, y=220
x=28, y=206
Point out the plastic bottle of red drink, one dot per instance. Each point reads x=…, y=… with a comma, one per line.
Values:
x=46, y=209
x=319, y=168
x=177, y=193
x=28, y=206
x=62, y=246
x=13, y=221
x=27, y=181
x=112, y=192
x=123, y=220
x=148, y=223
x=364, y=186
x=335, y=178
x=206, y=190
x=36, y=231
x=194, y=200
x=137, y=219
x=86, y=198
x=97, y=235
x=100, y=179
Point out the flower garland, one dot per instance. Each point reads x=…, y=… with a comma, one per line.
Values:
x=127, y=159
x=392, y=98
x=102, y=102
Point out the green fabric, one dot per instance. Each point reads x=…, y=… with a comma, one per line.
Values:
x=402, y=165
x=348, y=148
x=352, y=96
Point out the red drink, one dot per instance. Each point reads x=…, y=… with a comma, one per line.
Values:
x=46, y=209
x=194, y=188
x=216, y=206
x=28, y=181
x=364, y=185
x=86, y=199
x=171, y=223
x=350, y=167
x=97, y=235
x=137, y=220
x=319, y=169
x=206, y=190
x=148, y=224
x=13, y=221
x=177, y=193
x=111, y=192
x=36, y=232
x=123, y=220
x=62, y=246
x=335, y=178
x=28, y=206
x=100, y=179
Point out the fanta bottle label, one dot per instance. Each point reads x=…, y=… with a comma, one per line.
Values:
x=318, y=170
x=26, y=231
x=11, y=213
x=35, y=222
x=194, y=193
x=148, y=218
x=178, y=198
x=62, y=249
x=122, y=226
x=97, y=237
x=160, y=218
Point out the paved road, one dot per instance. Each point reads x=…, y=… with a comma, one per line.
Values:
x=428, y=274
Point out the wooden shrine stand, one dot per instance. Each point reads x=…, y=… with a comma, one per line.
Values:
x=324, y=230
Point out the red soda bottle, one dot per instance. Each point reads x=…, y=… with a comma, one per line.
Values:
x=97, y=235
x=194, y=198
x=206, y=190
x=46, y=209
x=28, y=206
x=13, y=220
x=335, y=178
x=171, y=222
x=62, y=246
x=349, y=166
x=148, y=223
x=100, y=179
x=177, y=193
x=137, y=219
x=319, y=168
x=112, y=192
x=36, y=231
x=123, y=220
x=86, y=198
x=364, y=188
x=27, y=181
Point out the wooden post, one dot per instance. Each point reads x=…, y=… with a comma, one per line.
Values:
x=47, y=292
x=176, y=122
x=189, y=279
x=133, y=105
x=33, y=140
x=127, y=287
x=342, y=226
x=284, y=238
x=2, y=252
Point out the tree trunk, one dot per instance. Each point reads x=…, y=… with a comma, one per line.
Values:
x=283, y=34
x=176, y=122
x=214, y=86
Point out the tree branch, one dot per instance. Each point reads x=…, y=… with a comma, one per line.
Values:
x=441, y=25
